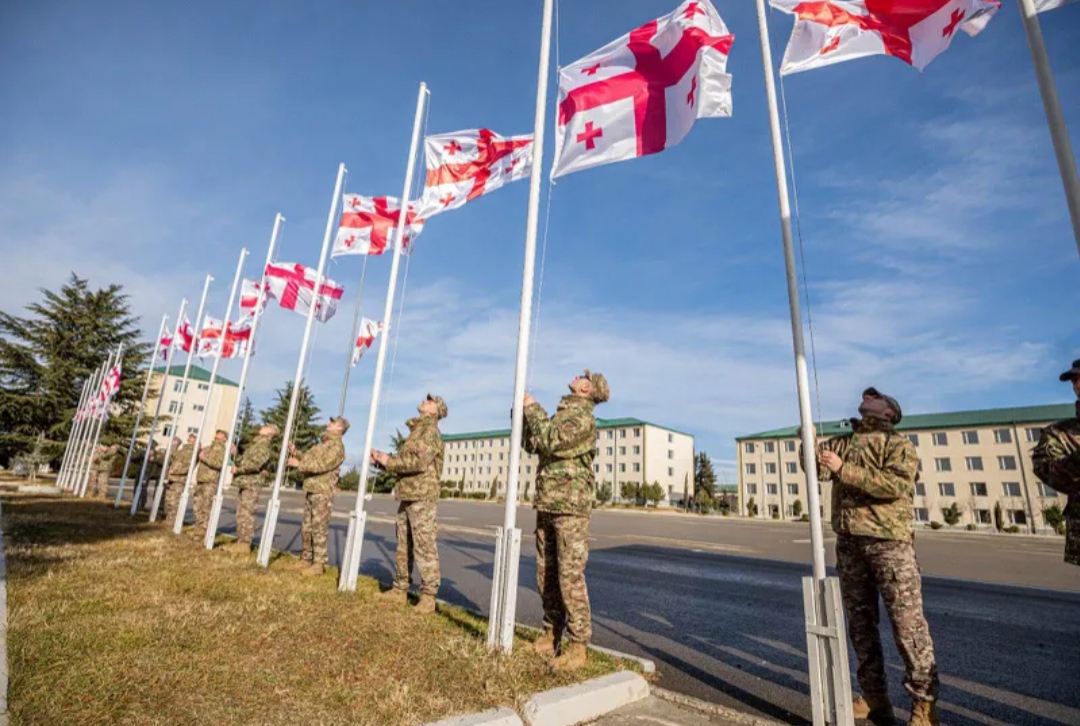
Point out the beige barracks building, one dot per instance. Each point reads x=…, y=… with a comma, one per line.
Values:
x=184, y=419
x=628, y=450
x=974, y=459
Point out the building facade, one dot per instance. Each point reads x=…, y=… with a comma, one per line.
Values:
x=975, y=460
x=184, y=417
x=628, y=450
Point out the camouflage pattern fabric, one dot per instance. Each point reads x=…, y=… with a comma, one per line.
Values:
x=173, y=490
x=873, y=493
x=202, y=501
x=252, y=468
x=247, y=502
x=101, y=468
x=419, y=462
x=562, y=551
x=211, y=459
x=417, y=530
x=1056, y=459
x=566, y=446
x=869, y=566
x=179, y=463
x=99, y=485
x=315, y=527
x=322, y=464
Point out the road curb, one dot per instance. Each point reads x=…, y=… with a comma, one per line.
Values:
x=495, y=717
x=3, y=632
x=738, y=718
x=586, y=701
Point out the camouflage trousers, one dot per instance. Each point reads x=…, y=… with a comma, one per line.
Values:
x=869, y=567
x=173, y=490
x=247, y=502
x=562, y=551
x=202, y=502
x=416, y=533
x=315, y=527
x=99, y=485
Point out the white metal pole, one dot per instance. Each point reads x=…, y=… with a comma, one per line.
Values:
x=185, y=495
x=141, y=482
x=273, y=507
x=73, y=437
x=86, y=432
x=159, y=491
x=1059, y=133
x=219, y=495
x=350, y=561
x=138, y=416
x=352, y=339
x=503, y=599
x=101, y=420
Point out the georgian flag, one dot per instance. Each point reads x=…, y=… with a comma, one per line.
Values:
x=466, y=165
x=365, y=337
x=642, y=93
x=210, y=337
x=293, y=285
x=252, y=297
x=1041, y=6
x=108, y=390
x=164, y=345
x=369, y=225
x=916, y=31
x=232, y=345
x=185, y=335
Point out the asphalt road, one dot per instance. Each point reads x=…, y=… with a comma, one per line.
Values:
x=717, y=604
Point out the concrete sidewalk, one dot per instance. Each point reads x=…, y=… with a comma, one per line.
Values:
x=667, y=708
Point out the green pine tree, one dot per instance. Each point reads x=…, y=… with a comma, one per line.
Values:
x=46, y=356
x=384, y=482
x=306, y=431
x=247, y=427
x=704, y=476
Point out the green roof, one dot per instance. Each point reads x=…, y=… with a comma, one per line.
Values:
x=951, y=420
x=197, y=373
x=601, y=423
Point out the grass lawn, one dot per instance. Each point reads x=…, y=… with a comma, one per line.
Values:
x=114, y=620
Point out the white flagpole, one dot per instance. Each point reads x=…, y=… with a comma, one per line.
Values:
x=350, y=561
x=101, y=420
x=159, y=491
x=508, y=546
x=185, y=495
x=141, y=482
x=1059, y=133
x=829, y=678
x=138, y=416
x=219, y=496
x=87, y=428
x=75, y=445
x=352, y=339
x=71, y=435
x=273, y=507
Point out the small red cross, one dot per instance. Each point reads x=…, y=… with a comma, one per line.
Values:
x=452, y=148
x=350, y=240
x=693, y=90
x=957, y=16
x=591, y=70
x=590, y=135
x=354, y=202
x=831, y=46
x=513, y=163
x=693, y=9
x=447, y=200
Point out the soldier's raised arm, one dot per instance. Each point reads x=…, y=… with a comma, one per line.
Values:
x=1054, y=464
x=895, y=479
x=415, y=456
x=562, y=435
x=323, y=457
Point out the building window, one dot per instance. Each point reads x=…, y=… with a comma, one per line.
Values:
x=922, y=514
x=748, y=447
x=176, y=386
x=637, y=449
x=609, y=434
x=1011, y=488
x=789, y=446
x=637, y=433
x=173, y=405
x=203, y=387
x=637, y=467
x=1033, y=435
x=982, y=516
x=978, y=489
x=943, y=464
x=1018, y=516
x=1046, y=491
x=610, y=450
x=671, y=471
x=622, y=468
x=970, y=438
x=671, y=453
x=920, y=489
x=192, y=430
x=1007, y=463
x=751, y=468
x=622, y=451
x=528, y=470
x=974, y=463
x=941, y=439
x=770, y=489
x=792, y=467
x=769, y=447
x=167, y=431
x=622, y=433
x=500, y=456
x=770, y=468
x=751, y=489
x=595, y=468
x=793, y=489
x=914, y=439
x=671, y=438
x=199, y=407
x=607, y=468
x=1002, y=436
x=946, y=489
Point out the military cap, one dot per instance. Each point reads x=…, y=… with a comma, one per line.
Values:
x=893, y=403
x=600, y=390
x=440, y=403
x=1072, y=372
x=343, y=421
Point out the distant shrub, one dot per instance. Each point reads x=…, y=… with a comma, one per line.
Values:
x=936, y=525
x=971, y=528
x=1012, y=529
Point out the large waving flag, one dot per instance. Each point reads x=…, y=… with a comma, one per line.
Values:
x=466, y=165
x=185, y=335
x=252, y=297
x=365, y=337
x=369, y=225
x=642, y=93
x=108, y=390
x=293, y=285
x=164, y=344
x=915, y=31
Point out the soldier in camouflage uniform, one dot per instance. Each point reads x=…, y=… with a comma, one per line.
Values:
x=178, y=469
x=103, y=463
x=253, y=470
x=565, y=488
x=417, y=465
x=322, y=466
x=874, y=470
x=153, y=473
x=1056, y=459
x=211, y=461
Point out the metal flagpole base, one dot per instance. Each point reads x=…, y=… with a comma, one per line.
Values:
x=181, y=510
x=830, y=679
x=139, y=488
x=212, y=525
x=159, y=492
x=354, y=545
x=120, y=492
x=504, y=589
x=266, y=541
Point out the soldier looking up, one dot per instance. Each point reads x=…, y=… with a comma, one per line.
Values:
x=1056, y=459
x=253, y=471
x=211, y=461
x=322, y=465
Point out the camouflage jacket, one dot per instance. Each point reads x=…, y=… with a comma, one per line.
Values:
x=566, y=446
x=1056, y=459
x=103, y=462
x=322, y=465
x=873, y=493
x=153, y=465
x=418, y=464
x=178, y=464
x=251, y=468
x=211, y=459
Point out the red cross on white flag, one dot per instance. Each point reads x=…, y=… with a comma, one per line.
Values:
x=252, y=297
x=293, y=284
x=210, y=337
x=369, y=225
x=642, y=93
x=916, y=31
x=466, y=165
x=164, y=344
x=365, y=337
x=236, y=338
x=108, y=389
x=185, y=335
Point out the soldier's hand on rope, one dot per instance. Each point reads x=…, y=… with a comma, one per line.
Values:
x=293, y=462
x=831, y=461
x=529, y=400
x=292, y=448
x=380, y=458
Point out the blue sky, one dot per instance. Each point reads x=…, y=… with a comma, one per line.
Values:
x=145, y=143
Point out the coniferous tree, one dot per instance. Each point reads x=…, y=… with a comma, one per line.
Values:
x=384, y=482
x=247, y=428
x=704, y=476
x=46, y=356
x=306, y=429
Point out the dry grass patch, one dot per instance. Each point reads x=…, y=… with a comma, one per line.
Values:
x=112, y=620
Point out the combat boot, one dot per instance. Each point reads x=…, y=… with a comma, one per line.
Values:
x=877, y=709
x=924, y=713
x=426, y=606
x=545, y=644
x=239, y=548
x=301, y=565
x=572, y=657
x=395, y=596
x=312, y=570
